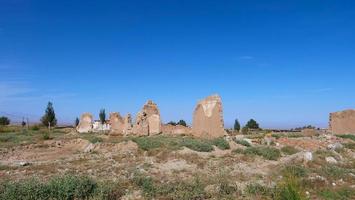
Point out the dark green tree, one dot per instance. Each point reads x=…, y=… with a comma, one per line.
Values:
x=252, y=124
x=4, y=121
x=23, y=123
x=48, y=118
x=102, y=116
x=77, y=122
x=236, y=125
x=182, y=123
x=172, y=123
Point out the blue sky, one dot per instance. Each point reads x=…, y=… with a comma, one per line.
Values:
x=283, y=63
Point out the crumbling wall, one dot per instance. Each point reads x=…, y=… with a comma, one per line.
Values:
x=85, y=123
x=208, y=118
x=342, y=122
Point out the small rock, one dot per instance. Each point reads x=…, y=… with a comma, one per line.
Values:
x=308, y=156
x=23, y=163
x=335, y=146
x=89, y=148
x=331, y=160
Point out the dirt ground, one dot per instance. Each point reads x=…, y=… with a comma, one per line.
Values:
x=117, y=158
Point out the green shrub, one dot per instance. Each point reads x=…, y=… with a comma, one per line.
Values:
x=295, y=171
x=148, y=143
x=259, y=190
x=64, y=187
x=71, y=187
x=7, y=137
x=243, y=142
x=221, y=143
x=197, y=145
x=109, y=191
x=146, y=184
x=289, y=150
x=289, y=189
x=269, y=153
x=30, y=189
x=46, y=135
x=343, y=193
x=238, y=151
x=333, y=172
x=183, y=190
x=92, y=137
x=347, y=136
x=35, y=128
x=349, y=145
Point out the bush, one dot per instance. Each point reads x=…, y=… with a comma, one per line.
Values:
x=197, y=145
x=289, y=189
x=243, y=142
x=71, y=187
x=109, y=191
x=148, y=143
x=269, y=153
x=343, y=193
x=35, y=128
x=258, y=189
x=289, y=150
x=146, y=184
x=63, y=187
x=347, y=136
x=295, y=171
x=183, y=190
x=46, y=135
x=349, y=145
x=221, y=143
x=4, y=121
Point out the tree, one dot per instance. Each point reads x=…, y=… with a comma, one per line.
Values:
x=48, y=118
x=77, y=122
x=182, y=123
x=172, y=123
x=236, y=125
x=252, y=124
x=4, y=121
x=23, y=123
x=102, y=116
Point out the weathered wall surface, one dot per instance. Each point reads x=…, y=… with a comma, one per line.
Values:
x=176, y=130
x=148, y=120
x=342, y=122
x=117, y=123
x=85, y=124
x=208, y=118
x=127, y=128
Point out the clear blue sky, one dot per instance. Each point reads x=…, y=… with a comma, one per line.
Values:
x=283, y=63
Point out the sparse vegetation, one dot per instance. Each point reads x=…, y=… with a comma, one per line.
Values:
x=64, y=187
x=348, y=136
x=174, y=143
x=269, y=153
x=243, y=142
x=342, y=193
x=289, y=150
x=221, y=143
